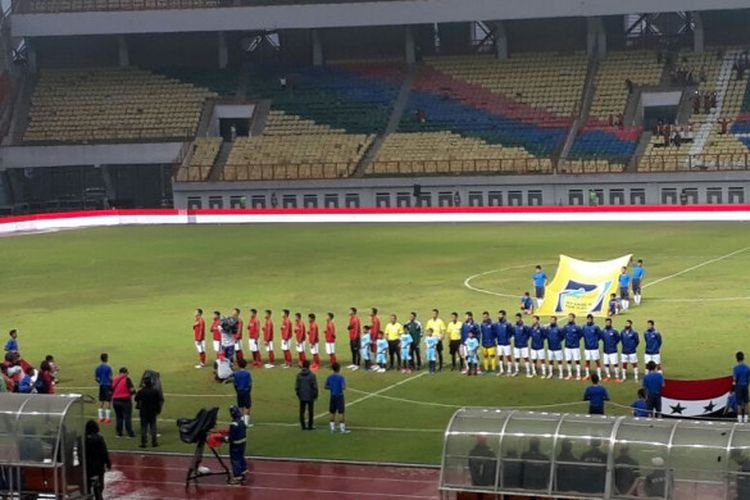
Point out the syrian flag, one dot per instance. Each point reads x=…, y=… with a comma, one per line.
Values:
x=695, y=398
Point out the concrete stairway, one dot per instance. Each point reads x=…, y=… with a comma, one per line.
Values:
x=584, y=110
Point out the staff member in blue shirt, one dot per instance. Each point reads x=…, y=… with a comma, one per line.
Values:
x=337, y=385
x=639, y=273
x=624, y=281
x=741, y=378
x=652, y=338
x=539, y=278
x=596, y=395
x=555, y=336
x=653, y=382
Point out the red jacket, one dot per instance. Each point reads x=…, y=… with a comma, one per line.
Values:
x=286, y=329
x=299, y=331
x=313, y=334
x=268, y=330
x=355, y=327
x=330, y=332
x=253, y=328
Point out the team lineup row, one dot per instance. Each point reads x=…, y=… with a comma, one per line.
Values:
x=502, y=345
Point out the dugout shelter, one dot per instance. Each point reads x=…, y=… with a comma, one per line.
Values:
x=499, y=453
x=42, y=446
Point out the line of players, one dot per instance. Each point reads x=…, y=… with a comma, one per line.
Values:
x=503, y=345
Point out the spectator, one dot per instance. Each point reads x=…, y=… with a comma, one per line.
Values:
x=45, y=384
x=596, y=475
x=596, y=395
x=723, y=126
x=97, y=458
x=12, y=344
x=656, y=482
x=482, y=463
x=535, y=467
x=53, y=368
x=629, y=85
x=306, y=388
x=696, y=103
x=149, y=403
x=640, y=405
x=122, y=402
x=26, y=385
x=512, y=470
x=4, y=381
x=653, y=383
x=626, y=473
x=566, y=472
x=707, y=103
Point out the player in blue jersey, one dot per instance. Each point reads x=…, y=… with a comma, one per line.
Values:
x=469, y=327
x=365, y=343
x=539, y=278
x=555, y=337
x=405, y=346
x=431, y=341
x=527, y=303
x=639, y=273
x=381, y=349
x=652, y=339
x=630, y=340
x=504, y=336
x=472, y=353
x=624, y=283
x=640, y=405
x=592, y=334
x=573, y=334
x=489, y=343
x=613, y=306
x=610, y=340
x=741, y=379
x=521, y=345
x=538, y=334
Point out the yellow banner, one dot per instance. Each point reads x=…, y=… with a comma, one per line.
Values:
x=582, y=287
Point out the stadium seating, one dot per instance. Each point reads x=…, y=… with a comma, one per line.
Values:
x=203, y=155
x=312, y=156
x=600, y=146
x=54, y=6
x=112, y=104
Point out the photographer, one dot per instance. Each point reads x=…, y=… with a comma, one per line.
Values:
x=229, y=327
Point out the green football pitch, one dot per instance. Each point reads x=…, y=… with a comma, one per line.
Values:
x=131, y=292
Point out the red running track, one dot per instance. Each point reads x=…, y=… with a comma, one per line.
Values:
x=152, y=476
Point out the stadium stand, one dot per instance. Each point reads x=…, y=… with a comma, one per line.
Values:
x=112, y=104
x=602, y=145
x=514, y=112
x=203, y=155
x=56, y=6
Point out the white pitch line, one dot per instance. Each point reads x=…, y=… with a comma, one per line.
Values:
x=467, y=281
x=697, y=266
x=373, y=394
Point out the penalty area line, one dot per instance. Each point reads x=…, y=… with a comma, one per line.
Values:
x=697, y=266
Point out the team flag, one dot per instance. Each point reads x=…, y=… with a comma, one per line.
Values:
x=695, y=398
x=582, y=287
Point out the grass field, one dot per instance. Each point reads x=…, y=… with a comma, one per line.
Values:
x=132, y=291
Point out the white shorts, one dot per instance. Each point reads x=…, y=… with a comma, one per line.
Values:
x=591, y=354
x=238, y=346
x=522, y=352
x=217, y=345
x=253, y=344
x=556, y=355
x=503, y=350
x=611, y=359
x=537, y=354
x=269, y=346
x=572, y=354
x=330, y=348
x=313, y=348
x=286, y=345
x=656, y=358
x=200, y=346
x=630, y=358
x=300, y=347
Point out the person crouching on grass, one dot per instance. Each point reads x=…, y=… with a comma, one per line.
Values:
x=237, y=439
x=336, y=384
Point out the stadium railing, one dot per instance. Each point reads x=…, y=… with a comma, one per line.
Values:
x=135, y=136
x=652, y=163
x=515, y=166
x=286, y=171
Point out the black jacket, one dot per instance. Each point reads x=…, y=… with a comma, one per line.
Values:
x=97, y=456
x=306, y=386
x=149, y=401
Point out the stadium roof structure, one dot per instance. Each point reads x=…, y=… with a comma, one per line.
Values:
x=248, y=15
x=553, y=455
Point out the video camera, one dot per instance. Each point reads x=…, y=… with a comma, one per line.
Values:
x=229, y=325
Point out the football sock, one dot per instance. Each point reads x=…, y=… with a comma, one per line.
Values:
x=316, y=360
x=101, y=413
x=333, y=426
x=107, y=413
x=342, y=426
x=271, y=357
x=202, y=357
x=333, y=358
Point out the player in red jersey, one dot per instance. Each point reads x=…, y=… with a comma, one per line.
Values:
x=216, y=332
x=253, y=334
x=331, y=338
x=299, y=337
x=313, y=336
x=199, y=334
x=374, y=327
x=238, y=335
x=355, y=330
x=286, y=338
x=268, y=340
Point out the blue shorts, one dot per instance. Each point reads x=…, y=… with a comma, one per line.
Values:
x=337, y=404
x=381, y=360
x=637, y=286
x=405, y=354
x=243, y=399
x=365, y=353
x=624, y=293
x=539, y=292
x=105, y=393
x=741, y=394
x=431, y=355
